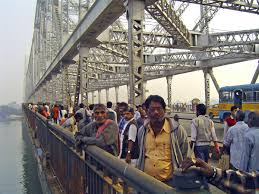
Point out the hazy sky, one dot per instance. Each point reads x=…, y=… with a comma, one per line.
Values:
x=16, y=19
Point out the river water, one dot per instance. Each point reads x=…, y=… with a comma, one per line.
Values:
x=18, y=168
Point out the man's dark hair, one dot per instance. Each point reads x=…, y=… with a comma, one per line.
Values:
x=176, y=117
x=78, y=116
x=233, y=108
x=124, y=104
x=201, y=109
x=81, y=105
x=240, y=115
x=109, y=104
x=253, y=119
x=100, y=106
x=155, y=98
x=91, y=106
x=131, y=110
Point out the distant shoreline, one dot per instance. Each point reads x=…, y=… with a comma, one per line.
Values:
x=12, y=118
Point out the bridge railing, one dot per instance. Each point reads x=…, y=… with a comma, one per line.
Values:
x=94, y=171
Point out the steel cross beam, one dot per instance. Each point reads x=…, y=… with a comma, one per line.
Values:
x=207, y=16
x=122, y=79
x=243, y=37
x=150, y=39
x=249, y=6
x=166, y=16
x=102, y=14
x=193, y=56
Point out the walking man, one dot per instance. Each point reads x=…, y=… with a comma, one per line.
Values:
x=202, y=132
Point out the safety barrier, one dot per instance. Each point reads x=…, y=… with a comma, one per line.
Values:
x=94, y=171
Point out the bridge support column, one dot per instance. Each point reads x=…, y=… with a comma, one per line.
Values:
x=44, y=93
x=144, y=90
x=135, y=16
x=207, y=87
x=92, y=97
x=41, y=93
x=213, y=79
x=116, y=94
x=107, y=94
x=99, y=96
x=169, y=90
x=63, y=86
x=65, y=81
x=51, y=95
x=128, y=93
x=47, y=92
x=54, y=86
x=84, y=80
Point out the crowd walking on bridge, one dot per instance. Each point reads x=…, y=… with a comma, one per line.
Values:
x=149, y=139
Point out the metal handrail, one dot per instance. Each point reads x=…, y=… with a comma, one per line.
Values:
x=131, y=176
x=98, y=172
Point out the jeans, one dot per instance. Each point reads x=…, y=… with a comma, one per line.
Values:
x=202, y=152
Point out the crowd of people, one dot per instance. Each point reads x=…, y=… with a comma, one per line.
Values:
x=148, y=139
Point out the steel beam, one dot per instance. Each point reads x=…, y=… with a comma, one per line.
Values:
x=166, y=16
x=116, y=94
x=255, y=74
x=84, y=73
x=213, y=79
x=102, y=14
x=169, y=90
x=107, y=94
x=92, y=97
x=249, y=6
x=207, y=87
x=135, y=12
x=99, y=96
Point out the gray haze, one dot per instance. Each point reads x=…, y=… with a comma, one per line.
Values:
x=17, y=17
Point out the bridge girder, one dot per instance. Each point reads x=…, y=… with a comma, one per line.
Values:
x=108, y=56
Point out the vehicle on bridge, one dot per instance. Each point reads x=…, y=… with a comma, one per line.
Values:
x=213, y=111
x=245, y=97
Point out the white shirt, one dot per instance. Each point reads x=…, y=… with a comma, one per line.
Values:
x=137, y=115
x=47, y=108
x=63, y=113
x=131, y=135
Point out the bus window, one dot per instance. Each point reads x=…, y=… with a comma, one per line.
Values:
x=226, y=97
x=257, y=96
x=248, y=96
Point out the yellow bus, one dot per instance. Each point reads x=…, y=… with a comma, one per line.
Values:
x=213, y=110
x=245, y=97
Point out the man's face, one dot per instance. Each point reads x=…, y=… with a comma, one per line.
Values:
x=128, y=115
x=122, y=109
x=100, y=115
x=142, y=112
x=156, y=112
x=234, y=112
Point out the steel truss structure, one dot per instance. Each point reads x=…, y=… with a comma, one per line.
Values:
x=82, y=46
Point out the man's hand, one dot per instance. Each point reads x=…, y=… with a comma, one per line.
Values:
x=217, y=149
x=78, y=143
x=204, y=167
x=128, y=158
